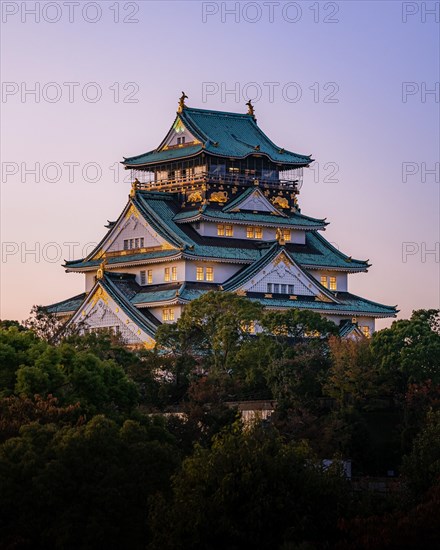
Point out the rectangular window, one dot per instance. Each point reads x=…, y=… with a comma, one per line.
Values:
x=199, y=274
x=276, y=288
x=209, y=273
x=291, y=289
x=269, y=288
x=283, y=289
x=220, y=230
x=168, y=314
x=131, y=243
x=333, y=285
x=125, y=244
x=167, y=275
x=150, y=276
x=141, y=242
x=286, y=234
x=229, y=230
x=143, y=278
x=254, y=232
x=136, y=243
x=324, y=281
x=366, y=331
x=174, y=273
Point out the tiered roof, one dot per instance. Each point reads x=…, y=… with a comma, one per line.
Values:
x=162, y=211
x=223, y=134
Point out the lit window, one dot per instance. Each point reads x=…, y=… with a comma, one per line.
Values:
x=324, y=281
x=229, y=230
x=168, y=314
x=254, y=232
x=141, y=242
x=143, y=278
x=249, y=327
x=174, y=273
x=286, y=234
x=333, y=285
x=167, y=275
x=220, y=230
x=366, y=331
x=199, y=274
x=209, y=273
x=150, y=276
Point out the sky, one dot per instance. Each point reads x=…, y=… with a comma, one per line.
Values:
x=355, y=84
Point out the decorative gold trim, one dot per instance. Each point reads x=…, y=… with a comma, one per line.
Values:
x=100, y=294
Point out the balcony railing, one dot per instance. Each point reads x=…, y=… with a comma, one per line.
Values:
x=147, y=180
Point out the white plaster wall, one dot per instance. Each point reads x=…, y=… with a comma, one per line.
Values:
x=158, y=312
x=222, y=272
x=341, y=278
x=90, y=280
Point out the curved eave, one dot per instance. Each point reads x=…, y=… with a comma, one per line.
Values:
x=321, y=267
x=207, y=149
x=276, y=223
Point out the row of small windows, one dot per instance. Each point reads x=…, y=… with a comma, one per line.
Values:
x=204, y=273
x=225, y=230
x=130, y=244
x=170, y=275
x=276, y=288
x=329, y=282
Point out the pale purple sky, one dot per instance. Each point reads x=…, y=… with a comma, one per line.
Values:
x=350, y=85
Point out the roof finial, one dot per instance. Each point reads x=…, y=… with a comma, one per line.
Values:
x=280, y=237
x=182, y=102
x=100, y=272
x=250, y=108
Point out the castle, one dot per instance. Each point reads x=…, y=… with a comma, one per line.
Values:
x=214, y=207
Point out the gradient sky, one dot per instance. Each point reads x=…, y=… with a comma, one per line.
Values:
x=357, y=54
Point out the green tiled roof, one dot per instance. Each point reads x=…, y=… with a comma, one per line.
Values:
x=231, y=135
x=291, y=221
x=346, y=328
x=67, y=306
x=350, y=304
x=160, y=210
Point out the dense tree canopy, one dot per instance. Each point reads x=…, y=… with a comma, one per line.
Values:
x=102, y=446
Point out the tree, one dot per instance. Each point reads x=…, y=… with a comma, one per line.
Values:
x=250, y=490
x=410, y=349
x=211, y=329
x=296, y=324
x=421, y=468
x=83, y=487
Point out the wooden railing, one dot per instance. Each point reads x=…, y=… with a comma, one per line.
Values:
x=148, y=183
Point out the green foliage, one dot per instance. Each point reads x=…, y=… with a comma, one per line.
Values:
x=212, y=328
x=410, y=349
x=421, y=467
x=82, y=487
x=250, y=490
x=295, y=323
